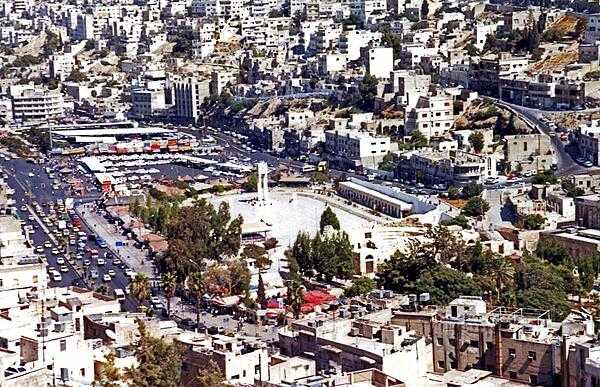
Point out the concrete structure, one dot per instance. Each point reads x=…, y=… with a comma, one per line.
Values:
x=353, y=149
x=380, y=62
x=373, y=199
x=529, y=152
x=587, y=211
x=262, y=183
x=433, y=116
x=34, y=104
x=446, y=167
x=190, y=93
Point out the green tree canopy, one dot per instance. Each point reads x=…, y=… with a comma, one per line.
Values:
x=329, y=218
x=360, y=286
x=475, y=206
x=477, y=142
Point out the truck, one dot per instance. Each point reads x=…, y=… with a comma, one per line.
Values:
x=62, y=224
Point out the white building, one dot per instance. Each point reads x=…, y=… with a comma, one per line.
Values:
x=33, y=103
x=61, y=66
x=353, y=148
x=380, y=62
x=433, y=116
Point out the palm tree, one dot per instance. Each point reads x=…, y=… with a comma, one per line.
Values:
x=502, y=272
x=169, y=285
x=140, y=287
x=195, y=283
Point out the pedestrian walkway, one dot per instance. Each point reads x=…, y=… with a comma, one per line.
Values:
x=117, y=243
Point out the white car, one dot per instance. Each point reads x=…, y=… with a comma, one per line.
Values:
x=60, y=261
x=39, y=249
x=48, y=244
x=106, y=278
x=112, y=273
x=101, y=262
x=56, y=276
x=64, y=269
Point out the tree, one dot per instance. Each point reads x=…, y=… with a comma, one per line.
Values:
x=196, y=285
x=261, y=297
x=90, y=44
x=475, y=206
x=546, y=177
x=534, y=222
x=360, y=286
x=572, y=190
x=258, y=254
x=329, y=218
x=211, y=376
x=444, y=284
x=198, y=233
x=477, y=142
x=109, y=375
x=501, y=271
x=424, y=9
x=472, y=189
x=240, y=277
x=295, y=294
x=453, y=192
x=388, y=163
x=418, y=139
x=169, y=282
x=140, y=287
x=251, y=183
x=77, y=76
x=332, y=256
x=301, y=251
x=460, y=220
x=368, y=90
x=553, y=253
x=159, y=362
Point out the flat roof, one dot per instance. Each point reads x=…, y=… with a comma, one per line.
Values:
x=111, y=131
x=404, y=206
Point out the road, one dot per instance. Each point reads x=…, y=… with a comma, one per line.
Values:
x=38, y=188
x=566, y=165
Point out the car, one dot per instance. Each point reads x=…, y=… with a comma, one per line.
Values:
x=64, y=269
x=79, y=256
x=56, y=276
x=587, y=164
x=86, y=262
x=54, y=251
x=103, y=245
x=106, y=278
x=39, y=249
x=112, y=273
x=155, y=300
x=48, y=244
x=117, y=262
x=31, y=174
x=60, y=261
x=31, y=218
x=187, y=323
x=94, y=273
x=23, y=208
x=552, y=134
x=101, y=262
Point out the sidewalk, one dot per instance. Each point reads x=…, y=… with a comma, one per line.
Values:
x=133, y=257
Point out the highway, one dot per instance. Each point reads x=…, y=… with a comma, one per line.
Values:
x=38, y=188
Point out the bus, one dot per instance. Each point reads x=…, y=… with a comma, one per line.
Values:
x=308, y=168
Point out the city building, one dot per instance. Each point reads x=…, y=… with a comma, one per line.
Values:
x=35, y=104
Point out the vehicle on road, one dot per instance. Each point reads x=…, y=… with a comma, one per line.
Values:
x=60, y=261
x=86, y=262
x=112, y=273
x=94, y=273
x=64, y=269
x=106, y=278
x=39, y=249
x=56, y=276
x=47, y=244
x=588, y=164
x=54, y=251
x=101, y=262
x=119, y=294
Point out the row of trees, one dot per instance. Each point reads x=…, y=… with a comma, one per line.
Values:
x=157, y=214
x=444, y=267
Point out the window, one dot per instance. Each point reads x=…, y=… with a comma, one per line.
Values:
x=474, y=344
x=489, y=345
x=441, y=364
x=533, y=379
x=452, y=342
x=532, y=355
x=440, y=341
x=512, y=353
x=82, y=371
x=63, y=345
x=512, y=375
x=525, y=147
x=34, y=279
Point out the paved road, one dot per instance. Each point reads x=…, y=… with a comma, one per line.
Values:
x=566, y=165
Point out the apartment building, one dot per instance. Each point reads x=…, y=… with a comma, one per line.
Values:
x=592, y=31
x=35, y=104
x=529, y=152
x=587, y=211
x=433, y=116
x=588, y=182
x=146, y=102
x=522, y=345
x=241, y=359
x=61, y=66
x=543, y=91
x=577, y=242
x=353, y=149
x=189, y=95
x=380, y=62
x=586, y=138
x=356, y=340
x=21, y=268
x=446, y=167
x=484, y=75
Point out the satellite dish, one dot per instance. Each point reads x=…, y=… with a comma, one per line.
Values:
x=111, y=334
